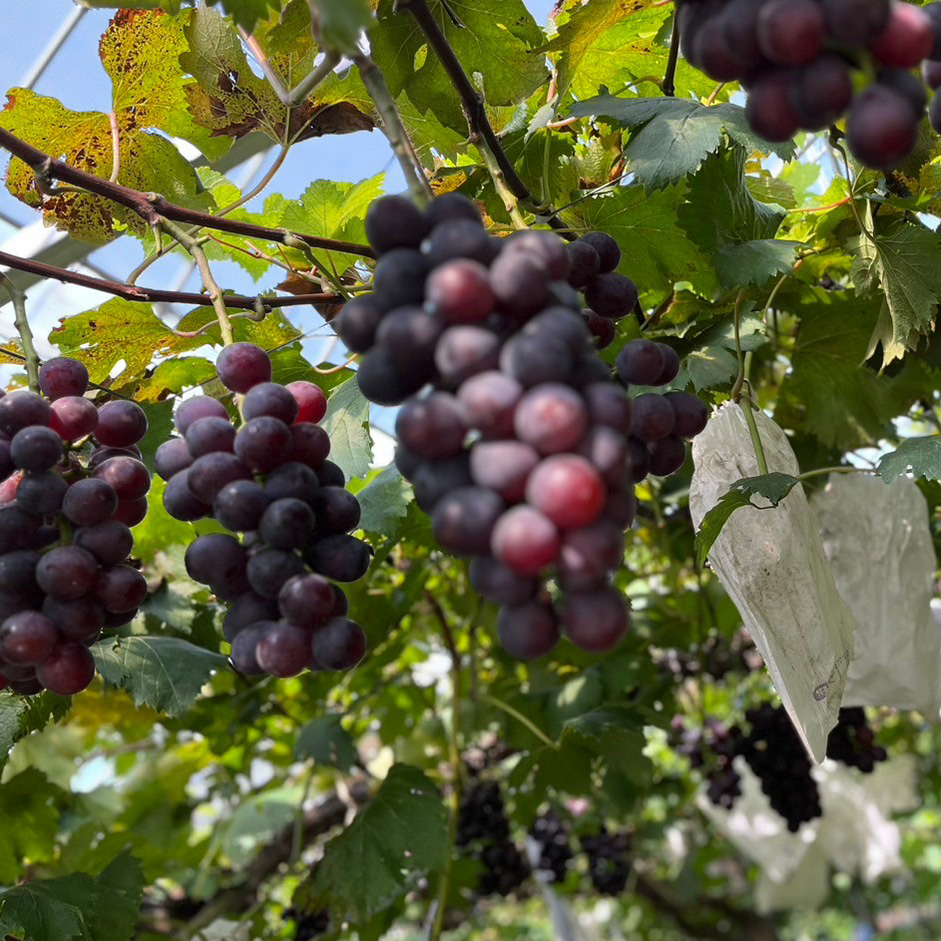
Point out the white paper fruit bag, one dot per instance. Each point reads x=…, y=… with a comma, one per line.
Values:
x=772, y=564
x=878, y=541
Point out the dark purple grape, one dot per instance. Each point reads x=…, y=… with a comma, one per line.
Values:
x=465, y=351
x=641, y=362
x=611, y=295
x=460, y=291
x=520, y=284
x=199, y=406
x=27, y=638
x=129, y=478
x=67, y=573
x=180, y=502
x=545, y=246
x=121, y=589
x=489, y=401
x=931, y=73
x=284, y=650
x=73, y=417
x=603, y=329
x=589, y=554
x=791, y=32
x=907, y=38
x=272, y=400
x=560, y=325
x=503, y=466
x=357, y=322
x=239, y=505
x=464, y=518
x=406, y=462
x=638, y=459
x=217, y=560
x=208, y=435
x=80, y=620
x=6, y=462
x=769, y=110
x=41, y=494
x=341, y=606
x=307, y=600
x=120, y=424
x=496, y=582
x=606, y=450
x=528, y=631
x=671, y=365
x=68, y=670
x=881, y=128
x=585, y=263
x=409, y=335
x=61, y=377
x=434, y=479
x=525, y=540
x=131, y=512
x=18, y=529
x=245, y=645
x=245, y=610
x=821, y=92
x=654, y=417
x=908, y=86
x=337, y=510
x=609, y=254
x=339, y=557
x=691, y=413
x=385, y=382
x=667, y=456
x=609, y=406
x=855, y=22
x=451, y=206
x=287, y=524
x=399, y=278
x=20, y=410
x=262, y=444
x=242, y=366
x=172, y=457
x=110, y=542
x=714, y=55
x=269, y=569
x=458, y=238
x=338, y=645
x=432, y=427
x=311, y=445
x=394, y=222
x=89, y=501
x=551, y=417
x=18, y=571
x=294, y=480
x=533, y=360
x=596, y=621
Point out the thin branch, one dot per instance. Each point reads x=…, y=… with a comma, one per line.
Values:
x=394, y=129
x=133, y=292
x=668, y=85
x=18, y=298
x=152, y=207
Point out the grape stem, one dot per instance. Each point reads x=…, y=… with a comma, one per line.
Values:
x=133, y=292
x=21, y=322
x=736, y=391
x=152, y=206
x=516, y=714
x=668, y=85
x=755, y=436
x=454, y=758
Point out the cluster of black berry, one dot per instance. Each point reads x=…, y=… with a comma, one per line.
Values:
x=307, y=927
x=798, y=59
x=609, y=860
x=712, y=751
x=555, y=850
x=853, y=742
x=269, y=480
x=521, y=446
x=483, y=833
x=64, y=528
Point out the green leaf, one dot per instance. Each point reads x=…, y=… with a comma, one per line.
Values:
x=347, y=424
x=498, y=41
x=714, y=361
x=20, y=716
x=385, y=501
x=903, y=260
x=676, y=134
x=399, y=835
x=922, y=455
x=773, y=487
x=30, y=813
x=326, y=742
x=162, y=672
x=342, y=21
x=79, y=906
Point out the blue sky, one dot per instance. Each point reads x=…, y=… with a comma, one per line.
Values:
x=76, y=78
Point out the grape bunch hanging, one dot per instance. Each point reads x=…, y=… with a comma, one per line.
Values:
x=853, y=742
x=65, y=541
x=268, y=480
x=518, y=442
x=806, y=63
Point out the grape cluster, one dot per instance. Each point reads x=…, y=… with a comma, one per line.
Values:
x=550, y=832
x=798, y=60
x=609, y=860
x=520, y=447
x=712, y=751
x=483, y=833
x=307, y=927
x=852, y=742
x=65, y=541
x=268, y=479
x=776, y=754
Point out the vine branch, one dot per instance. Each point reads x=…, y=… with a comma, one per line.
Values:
x=23, y=328
x=133, y=292
x=152, y=207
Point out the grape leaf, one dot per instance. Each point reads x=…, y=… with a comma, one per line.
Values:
x=342, y=21
x=773, y=487
x=20, y=716
x=79, y=906
x=902, y=259
x=402, y=832
x=30, y=814
x=922, y=455
x=498, y=40
x=675, y=134
x=347, y=424
x=326, y=742
x=384, y=502
x=162, y=672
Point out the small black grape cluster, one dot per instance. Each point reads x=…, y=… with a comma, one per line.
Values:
x=555, y=850
x=798, y=58
x=609, y=860
x=711, y=751
x=520, y=447
x=853, y=742
x=307, y=927
x=483, y=833
x=270, y=481
x=73, y=484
